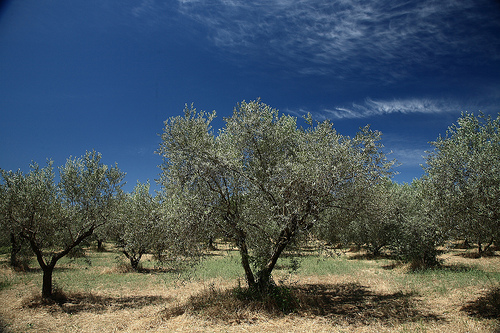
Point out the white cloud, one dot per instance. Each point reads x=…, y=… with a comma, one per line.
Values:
x=373, y=107
x=409, y=156
x=145, y=7
x=344, y=36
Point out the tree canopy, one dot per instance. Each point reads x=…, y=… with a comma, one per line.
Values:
x=263, y=181
x=464, y=172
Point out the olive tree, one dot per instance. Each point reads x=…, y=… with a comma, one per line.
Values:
x=137, y=226
x=375, y=225
x=417, y=235
x=263, y=181
x=464, y=173
x=56, y=218
x=19, y=249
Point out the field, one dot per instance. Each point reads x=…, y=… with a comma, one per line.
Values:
x=332, y=291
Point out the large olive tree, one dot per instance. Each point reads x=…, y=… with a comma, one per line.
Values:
x=263, y=181
x=56, y=218
x=464, y=173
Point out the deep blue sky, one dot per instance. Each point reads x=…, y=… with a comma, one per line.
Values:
x=104, y=74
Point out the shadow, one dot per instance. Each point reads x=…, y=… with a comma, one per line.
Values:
x=486, y=306
x=369, y=256
x=392, y=265
x=356, y=304
x=458, y=268
x=73, y=303
x=3, y=326
x=339, y=303
x=454, y=268
x=477, y=255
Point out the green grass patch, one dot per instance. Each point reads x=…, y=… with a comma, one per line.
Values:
x=318, y=265
x=226, y=267
x=445, y=279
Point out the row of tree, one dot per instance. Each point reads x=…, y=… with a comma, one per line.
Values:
x=265, y=184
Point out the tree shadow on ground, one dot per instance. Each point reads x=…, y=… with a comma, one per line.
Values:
x=474, y=254
x=454, y=268
x=357, y=304
x=339, y=303
x=369, y=256
x=73, y=303
x=486, y=306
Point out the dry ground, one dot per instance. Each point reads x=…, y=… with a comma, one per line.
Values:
x=374, y=296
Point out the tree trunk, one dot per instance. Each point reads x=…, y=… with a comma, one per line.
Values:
x=487, y=247
x=134, y=259
x=264, y=280
x=100, y=248
x=134, y=262
x=48, y=268
x=211, y=246
x=375, y=251
x=242, y=246
x=47, y=281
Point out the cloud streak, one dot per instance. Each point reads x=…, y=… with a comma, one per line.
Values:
x=341, y=37
x=373, y=108
x=382, y=107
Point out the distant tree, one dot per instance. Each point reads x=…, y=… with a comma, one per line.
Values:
x=375, y=225
x=137, y=225
x=417, y=234
x=463, y=171
x=19, y=254
x=55, y=219
x=262, y=181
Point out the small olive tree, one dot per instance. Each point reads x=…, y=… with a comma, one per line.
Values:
x=417, y=234
x=263, y=182
x=375, y=225
x=137, y=226
x=20, y=254
x=463, y=172
x=56, y=218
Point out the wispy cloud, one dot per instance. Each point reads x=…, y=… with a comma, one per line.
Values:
x=381, y=107
x=341, y=37
x=371, y=108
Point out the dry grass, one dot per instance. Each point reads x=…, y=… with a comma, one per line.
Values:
x=359, y=295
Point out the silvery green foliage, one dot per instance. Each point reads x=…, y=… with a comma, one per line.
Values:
x=463, y=171
x=137, y=226
x=29, y=206
x=375, y=225
x=262, y=181
x=31, y=202
x=55, y=218
x=417, y=235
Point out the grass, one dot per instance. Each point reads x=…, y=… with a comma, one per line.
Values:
x=339, y=293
